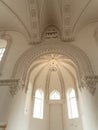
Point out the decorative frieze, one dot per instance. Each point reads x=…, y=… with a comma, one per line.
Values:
x=35, y=36
x=66, y=17
x=14, y=84
x=89, y=82
x=96, y=34
x=51, y=32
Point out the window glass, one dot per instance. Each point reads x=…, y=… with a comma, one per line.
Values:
x=38, y=104
x=72, y=104
x=55, y=95
x=3, y=44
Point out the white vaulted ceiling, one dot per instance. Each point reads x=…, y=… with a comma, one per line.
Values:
x=16, y=20
x=53, y=72
x=15, y=15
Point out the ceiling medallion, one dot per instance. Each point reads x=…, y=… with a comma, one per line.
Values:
x=53, y=65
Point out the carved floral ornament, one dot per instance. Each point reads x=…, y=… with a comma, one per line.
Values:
x=84, y=68
x=89, y=82
x=14, y=84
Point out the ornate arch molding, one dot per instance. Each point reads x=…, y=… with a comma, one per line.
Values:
x=84, y=68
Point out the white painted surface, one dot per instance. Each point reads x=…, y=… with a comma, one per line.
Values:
x=56, y=117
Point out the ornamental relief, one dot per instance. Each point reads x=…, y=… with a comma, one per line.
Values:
x=14, y=85
x=83, y=69
x=89, y=82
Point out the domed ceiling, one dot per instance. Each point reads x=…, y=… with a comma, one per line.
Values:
x=53, y=72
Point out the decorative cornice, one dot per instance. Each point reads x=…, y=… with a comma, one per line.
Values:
x=51, y=32
x=96, y=34
x=35, y=36
x=66, y=16
x=70, y=51
x=14, y=84
x=76, y=55
x=89, y=82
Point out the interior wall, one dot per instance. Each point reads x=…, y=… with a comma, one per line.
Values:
x=71, y=124
x=5, y=101
x=42, y=124
x=17, y=119
x=56, y=117
x=88, y=110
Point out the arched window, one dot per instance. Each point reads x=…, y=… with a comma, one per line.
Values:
x=38, y=104
x=55, y=95
x=72, y=104
x=3, y=44
x=28, y=98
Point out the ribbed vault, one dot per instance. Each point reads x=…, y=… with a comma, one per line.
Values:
x=67, y=55
x=52, y=72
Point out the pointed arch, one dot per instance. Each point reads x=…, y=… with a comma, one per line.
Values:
x=38, y=104
x=72, y=104
x=55, y=95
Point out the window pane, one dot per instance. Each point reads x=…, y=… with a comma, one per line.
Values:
x=3, y=44
x=72, y=104
x=74, y=108
x=55, y=95
x=38, y=94
x=37, y=108
x=38, y=105
x=1, y=52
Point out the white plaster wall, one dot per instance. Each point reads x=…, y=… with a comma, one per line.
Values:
x=55, y=117
x=88, y=110
x=18, y=45
x=5, y=101
x=46, y=124
x=17, y=119
x=96, y=104
x=71, y=124
x=42, y=124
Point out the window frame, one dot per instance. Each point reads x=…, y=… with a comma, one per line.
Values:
x=71, y=107
x=55, y=99
x=28, y=99
x=8, y=38
x=41, y=108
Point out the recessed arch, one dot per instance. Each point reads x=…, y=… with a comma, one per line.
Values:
x=75, y=54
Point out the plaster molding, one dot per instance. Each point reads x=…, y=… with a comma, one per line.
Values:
x=14, y=84
x=96, y=34
x=47, y=85
x=51, y=32
x=66, y=17
x=89, y=82
x=80, y=15
x=12, y=29
x=47, y=88
x=35, y=36
x=70, y=51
